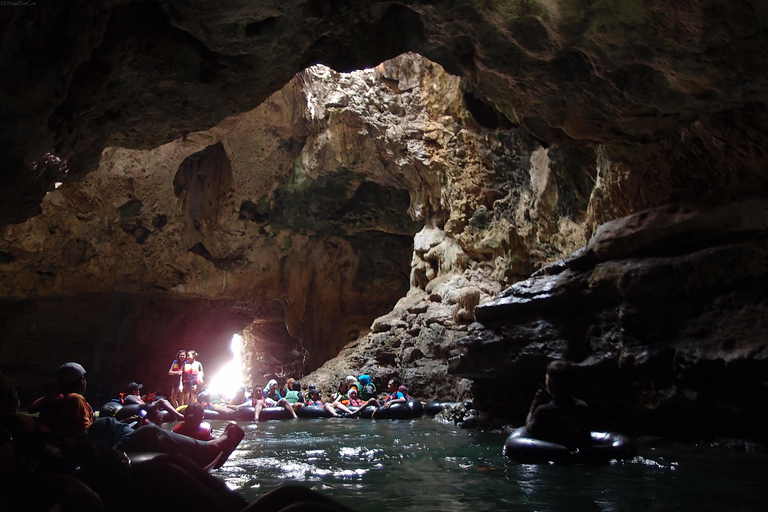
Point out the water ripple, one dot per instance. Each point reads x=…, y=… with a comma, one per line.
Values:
x=424, y=466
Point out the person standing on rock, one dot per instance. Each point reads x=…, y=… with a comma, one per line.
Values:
x=177, y=368
x=191, y=378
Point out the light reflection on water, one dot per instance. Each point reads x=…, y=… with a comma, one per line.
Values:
x=424, y=465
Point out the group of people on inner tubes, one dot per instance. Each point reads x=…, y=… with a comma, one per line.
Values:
x=355, y=397
x=558, y=427
x=57, y=455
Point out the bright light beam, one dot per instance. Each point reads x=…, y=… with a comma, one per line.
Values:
x=229, y=378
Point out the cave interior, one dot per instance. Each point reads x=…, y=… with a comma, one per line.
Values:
x=452, y=192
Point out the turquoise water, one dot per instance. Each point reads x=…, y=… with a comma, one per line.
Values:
x=424, y=465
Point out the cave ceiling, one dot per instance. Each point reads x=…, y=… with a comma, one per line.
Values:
x=80, y=76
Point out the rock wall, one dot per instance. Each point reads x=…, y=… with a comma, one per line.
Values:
x=302, y=212
x=664, y=312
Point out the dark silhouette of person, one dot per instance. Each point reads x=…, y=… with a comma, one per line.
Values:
x=555, y=414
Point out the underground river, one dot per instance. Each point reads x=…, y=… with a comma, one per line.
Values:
x=425, y=465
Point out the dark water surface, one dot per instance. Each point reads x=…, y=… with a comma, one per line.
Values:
x=424, y=465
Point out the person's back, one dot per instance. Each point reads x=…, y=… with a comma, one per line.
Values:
x=555, y=415
x=295, y=395
x=67, y=412
x=367, y=388
x=563, y=422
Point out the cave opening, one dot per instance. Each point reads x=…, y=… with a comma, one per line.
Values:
x=230, y=376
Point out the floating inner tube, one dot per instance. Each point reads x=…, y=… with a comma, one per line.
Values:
x=243, y=414
x=274, y=413
x=210, y=414
x=313, y=411
x=432, y=408
x=605, y=446
x=127, y=411
x=399, y=411
x=109, y=409
x=367, y=412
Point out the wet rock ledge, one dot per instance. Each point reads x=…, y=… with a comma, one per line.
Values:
x=665, y=313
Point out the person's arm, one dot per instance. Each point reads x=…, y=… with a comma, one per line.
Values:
x=399, y=399
x=175, y=372
x=542, y=397
x=200, y=373
x=37, y=405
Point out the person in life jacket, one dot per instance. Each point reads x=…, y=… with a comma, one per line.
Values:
x=341, y=395
x=352, y=383
x=239, y=398
x=354, y=398
x=238, y=401
x=340, y=399
x=191, y=378
x=193, y=424
x=394, y=397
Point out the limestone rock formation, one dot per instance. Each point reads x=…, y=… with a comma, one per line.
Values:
x=301, y=214
x=674, y=86
x=664, y=312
